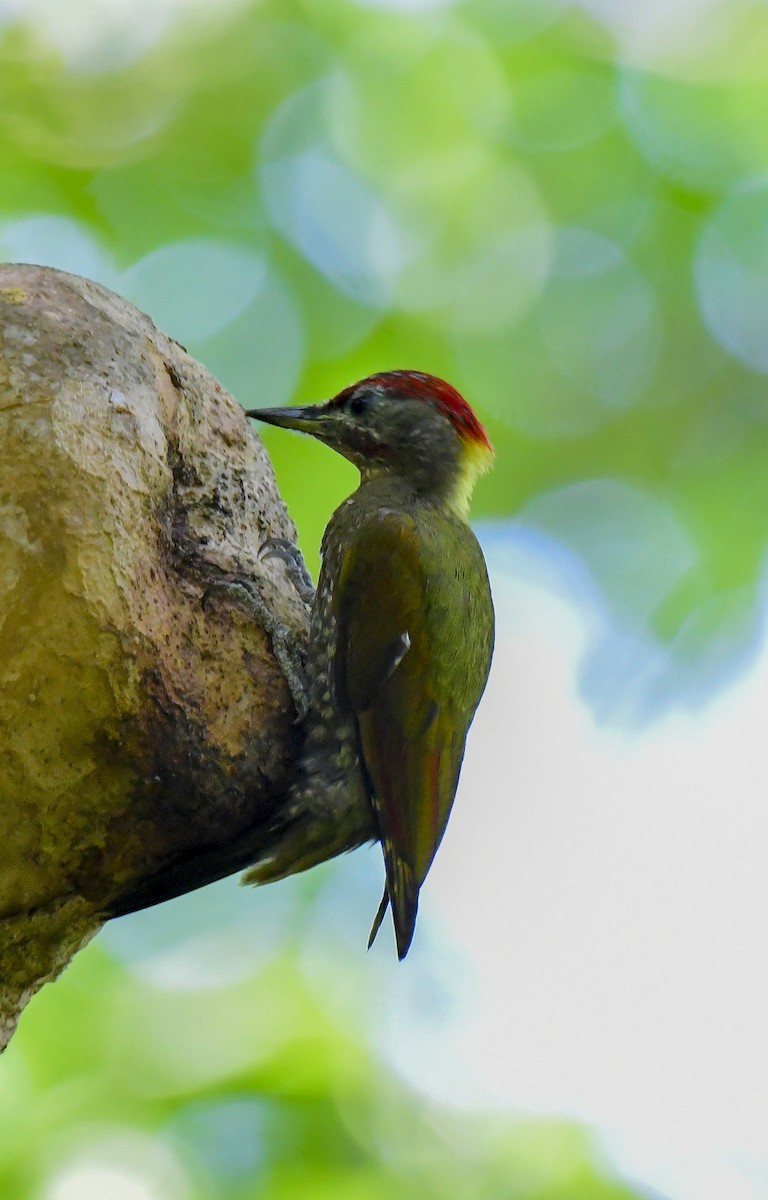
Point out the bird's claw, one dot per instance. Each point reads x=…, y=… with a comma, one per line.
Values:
x=284, y=549
x=246, y=594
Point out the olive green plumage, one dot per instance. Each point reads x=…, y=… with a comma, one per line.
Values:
x=401, y=636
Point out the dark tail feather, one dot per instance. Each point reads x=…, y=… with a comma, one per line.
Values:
x=405, y=925
x=379, y=917
x=405, y=905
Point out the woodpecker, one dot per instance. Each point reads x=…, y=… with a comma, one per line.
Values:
x=401, y=636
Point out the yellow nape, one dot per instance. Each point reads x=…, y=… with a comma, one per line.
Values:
x=477, y=459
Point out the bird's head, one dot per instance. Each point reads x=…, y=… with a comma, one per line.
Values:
x=402, y=423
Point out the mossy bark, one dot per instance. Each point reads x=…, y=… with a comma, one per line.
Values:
x=139, y=727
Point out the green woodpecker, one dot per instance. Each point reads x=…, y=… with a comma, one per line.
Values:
x=401, y=635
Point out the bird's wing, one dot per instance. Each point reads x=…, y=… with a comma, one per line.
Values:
x=400, y=682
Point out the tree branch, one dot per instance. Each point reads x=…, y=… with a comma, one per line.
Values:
x=145, y=738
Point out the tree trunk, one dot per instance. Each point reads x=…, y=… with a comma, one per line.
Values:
x=145, y=736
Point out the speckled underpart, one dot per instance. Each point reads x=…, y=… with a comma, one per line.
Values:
x=328, y=806
x=330, y=759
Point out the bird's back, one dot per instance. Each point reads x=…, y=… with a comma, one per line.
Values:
x=414, y=636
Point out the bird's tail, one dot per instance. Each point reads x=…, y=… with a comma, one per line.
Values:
x=382, y=911
x=402, y=892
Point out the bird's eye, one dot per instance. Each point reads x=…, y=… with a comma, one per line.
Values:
x=359, y=403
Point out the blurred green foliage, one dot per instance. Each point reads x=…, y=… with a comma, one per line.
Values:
x=565, y=218
x=563, y=211
x=119, y=1087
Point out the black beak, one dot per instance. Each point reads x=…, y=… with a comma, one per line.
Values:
x=311, y=418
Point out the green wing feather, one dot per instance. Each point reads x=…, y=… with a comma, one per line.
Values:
x=412, y=676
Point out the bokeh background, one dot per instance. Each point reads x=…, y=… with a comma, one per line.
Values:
x=562, y=207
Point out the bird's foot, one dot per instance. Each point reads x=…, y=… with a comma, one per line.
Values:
x=287, y=552
x=247, y=595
